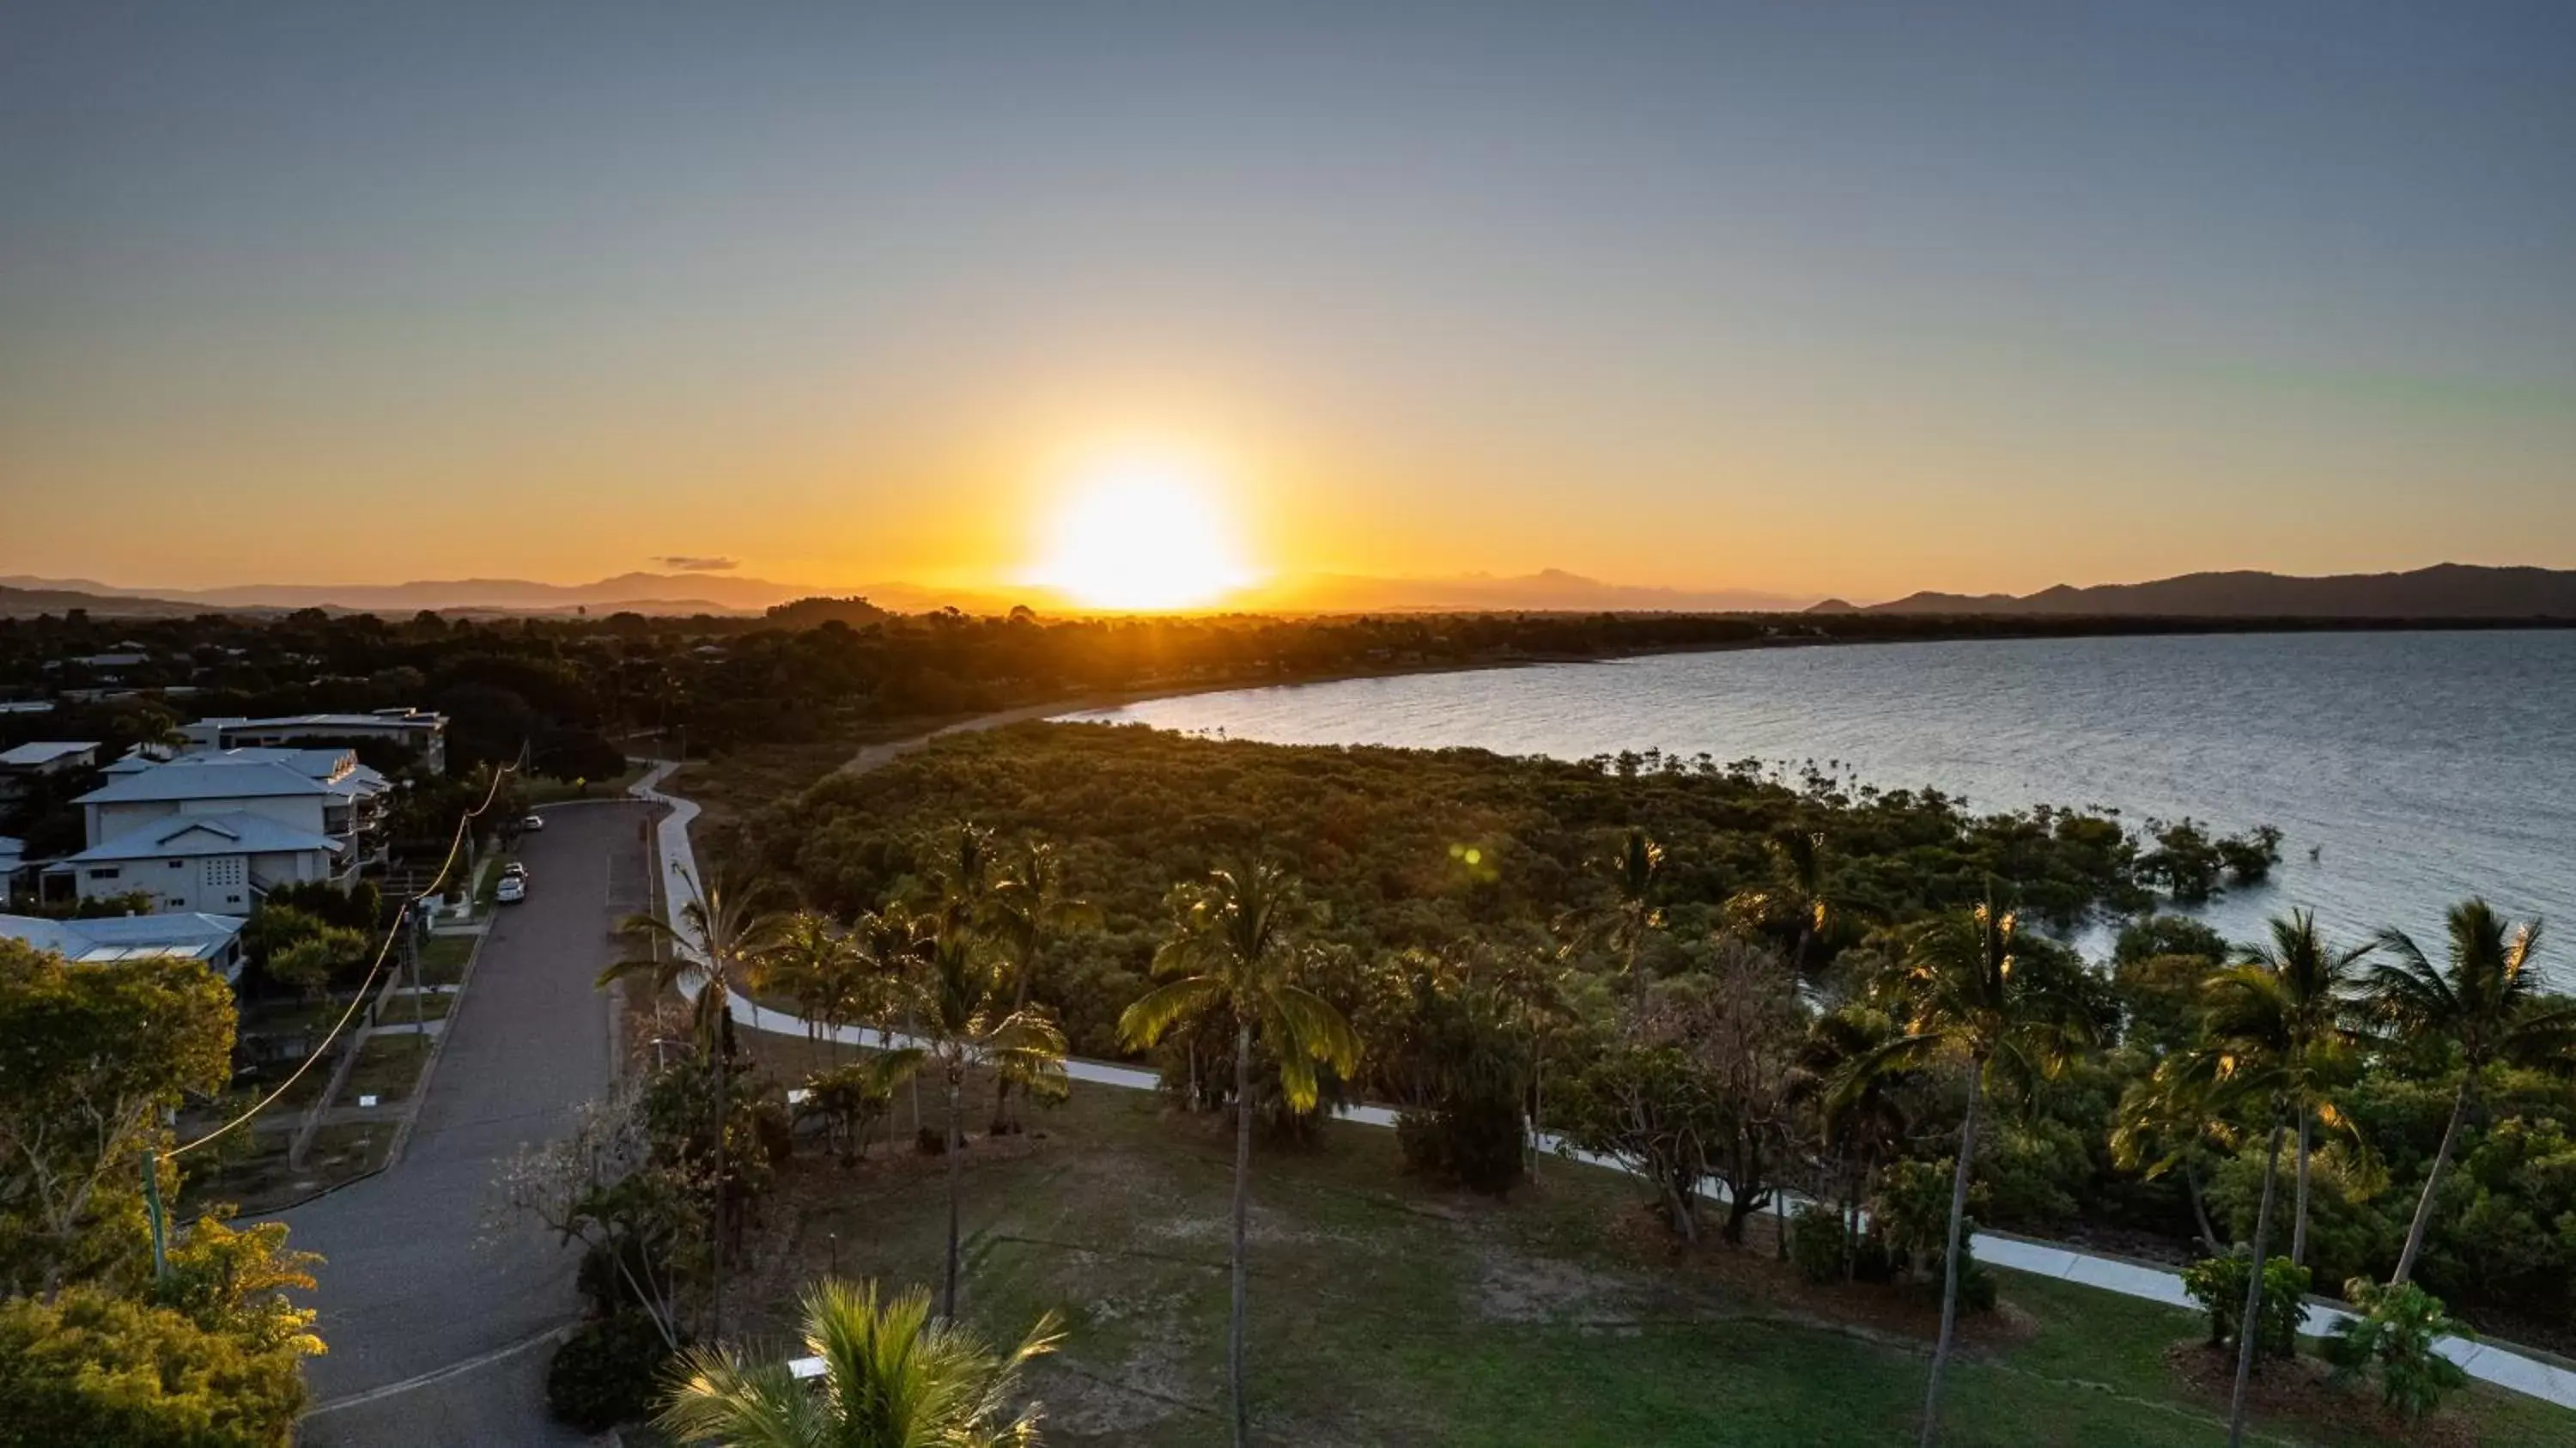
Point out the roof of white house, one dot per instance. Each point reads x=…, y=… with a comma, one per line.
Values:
x=113, y=938
x=234, y=832
x=338, y=768
x=168, y=782
x=43, y=752
x=12, y=847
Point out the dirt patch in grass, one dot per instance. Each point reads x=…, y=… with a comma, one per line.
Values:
x=2302, y=1391
x=1898, y=1311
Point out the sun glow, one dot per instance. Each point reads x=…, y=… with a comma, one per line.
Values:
x=1144, y=534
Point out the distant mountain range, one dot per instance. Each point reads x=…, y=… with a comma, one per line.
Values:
x=649, y=593
x=2447, y=590
x=1550, y=590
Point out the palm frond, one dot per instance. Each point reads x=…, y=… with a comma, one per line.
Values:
x=1152, y=1014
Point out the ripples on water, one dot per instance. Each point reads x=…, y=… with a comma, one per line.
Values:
x=2421, y=767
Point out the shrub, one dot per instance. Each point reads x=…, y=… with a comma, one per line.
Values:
x=1478, y=1140
x=1819, y=1242
x=105, y=1372
x=2392, y=1332
x=2218, y=1285
x=607, y=1372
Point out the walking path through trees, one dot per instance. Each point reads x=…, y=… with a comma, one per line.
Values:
x=677, y=862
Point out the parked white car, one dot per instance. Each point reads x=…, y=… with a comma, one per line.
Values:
x=533, y=822
x=512, y=890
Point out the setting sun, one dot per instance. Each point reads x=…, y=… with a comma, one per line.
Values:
x=1143, y=533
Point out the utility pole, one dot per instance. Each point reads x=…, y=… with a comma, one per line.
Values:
x=152, y=1208
x=411, y=957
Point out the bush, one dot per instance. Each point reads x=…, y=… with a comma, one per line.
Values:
x=1478, y=1141
x=2392, y=1333
x=105, y=1372
x=607, y=1373
x=1819, y=1242
x=2218, y=1285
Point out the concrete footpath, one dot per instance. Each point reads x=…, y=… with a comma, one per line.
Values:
x=677, y=863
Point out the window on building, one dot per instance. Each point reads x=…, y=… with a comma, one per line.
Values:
x=108, y=872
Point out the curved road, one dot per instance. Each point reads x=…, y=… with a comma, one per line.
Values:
x=419, y=1279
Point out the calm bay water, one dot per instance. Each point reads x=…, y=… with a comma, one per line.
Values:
x=2420, y=767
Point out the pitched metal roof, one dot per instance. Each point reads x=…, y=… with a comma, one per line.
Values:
x=169, y=782
x=232, y=832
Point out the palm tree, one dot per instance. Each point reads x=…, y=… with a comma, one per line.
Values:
x=1031, y=904
x=722, y=934
x=1968, y=991
x=1533, y=990
x=1631, y=873
x=892, y=1378
x=815, y=964
x=2313, y=990
x=965, y=1022
x=1858, y=1113
x=1795, y=899
x=891, y=946
x=1232, y=950
x=2485, y=1004
x=962, y=877
x=2174, y=1120
x=2251, y=1050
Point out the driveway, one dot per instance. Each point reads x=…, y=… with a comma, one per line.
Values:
x=419, y=1277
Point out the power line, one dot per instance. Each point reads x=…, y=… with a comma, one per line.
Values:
x=402, y=922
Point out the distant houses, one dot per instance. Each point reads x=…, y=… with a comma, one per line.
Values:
x=23, y=764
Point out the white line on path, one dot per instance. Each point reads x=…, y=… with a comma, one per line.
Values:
x=678, y=864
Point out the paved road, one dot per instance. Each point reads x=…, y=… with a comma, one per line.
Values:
x=419, y=1276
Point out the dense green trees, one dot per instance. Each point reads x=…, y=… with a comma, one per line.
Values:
x=94, y=1347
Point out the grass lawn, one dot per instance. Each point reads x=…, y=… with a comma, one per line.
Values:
x=388, y=1067
x=443, y=957
x=1385, y=1310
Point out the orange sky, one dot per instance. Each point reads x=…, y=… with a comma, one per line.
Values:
x=1747, y=300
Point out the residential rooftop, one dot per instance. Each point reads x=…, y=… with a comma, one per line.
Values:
x=232, y=832
x=41, y=752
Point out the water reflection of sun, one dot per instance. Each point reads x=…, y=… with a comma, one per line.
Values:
x=1144, y=533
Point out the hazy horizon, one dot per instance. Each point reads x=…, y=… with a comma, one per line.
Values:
x=1851, y=301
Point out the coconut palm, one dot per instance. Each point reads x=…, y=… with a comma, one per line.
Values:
x=892, y=1378
x=1855, y=1097
x=1233, y=951
x=2313, y=990
x=1795, y=901
x=2252, y=1052
x=962, y=876
x=1032, y=904
x=891, y=948
x=2485, y=1005
x=1632, y=872
x=1966, y=990
x=723, y=932
x=816, y=965
x=2174, y=1121
x=964, y=1022
x=1532, y=986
